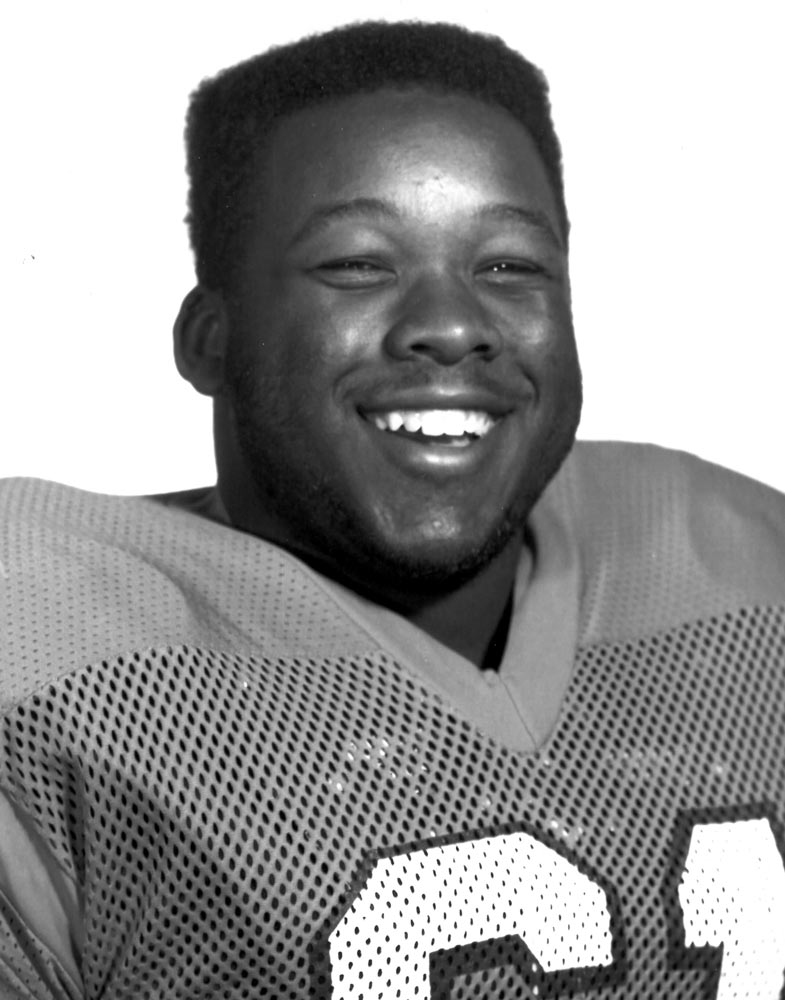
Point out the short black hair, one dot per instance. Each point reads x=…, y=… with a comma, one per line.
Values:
x=232, y=114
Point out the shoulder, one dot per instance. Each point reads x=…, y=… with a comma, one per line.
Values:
x=85, y=578
x=40, y=520
x=645, y=485
x=664, y=537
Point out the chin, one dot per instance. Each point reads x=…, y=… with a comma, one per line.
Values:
x=431, y=560
x=386, y=569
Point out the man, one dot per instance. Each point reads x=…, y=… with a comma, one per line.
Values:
x=421, y=700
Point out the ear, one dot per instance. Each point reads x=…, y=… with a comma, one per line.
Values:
x=200, y=337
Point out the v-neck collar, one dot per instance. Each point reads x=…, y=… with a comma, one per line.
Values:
x=519, y=703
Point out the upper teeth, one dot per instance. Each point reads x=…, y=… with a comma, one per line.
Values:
x=436, y=423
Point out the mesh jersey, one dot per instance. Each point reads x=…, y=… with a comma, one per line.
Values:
x=225, y=777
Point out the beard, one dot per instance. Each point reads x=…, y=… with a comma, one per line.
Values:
x=339, y=538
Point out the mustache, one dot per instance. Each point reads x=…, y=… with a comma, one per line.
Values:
x=245, y=374
x=430, y=376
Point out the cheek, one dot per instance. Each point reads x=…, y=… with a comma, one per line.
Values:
x=344, y=329
x=325, y=341
x=543, y=336
x=548, y=353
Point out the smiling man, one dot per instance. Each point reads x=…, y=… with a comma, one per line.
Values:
x=422, y=699
x=398, y=376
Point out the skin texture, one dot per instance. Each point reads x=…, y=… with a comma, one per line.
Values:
x=405, y=254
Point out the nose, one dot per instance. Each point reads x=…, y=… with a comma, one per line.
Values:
x=441, y=319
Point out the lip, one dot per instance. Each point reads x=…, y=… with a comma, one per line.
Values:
x=504, y=400
x=424, y=457
x=495, y=404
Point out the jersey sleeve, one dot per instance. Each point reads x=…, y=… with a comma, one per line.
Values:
x=40, y=924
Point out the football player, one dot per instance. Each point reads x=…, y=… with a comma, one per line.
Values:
x=422, y=699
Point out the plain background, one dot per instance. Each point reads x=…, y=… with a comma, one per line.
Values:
x=670, y=116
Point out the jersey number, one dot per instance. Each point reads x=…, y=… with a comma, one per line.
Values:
x=516, y=887
x=732, y=897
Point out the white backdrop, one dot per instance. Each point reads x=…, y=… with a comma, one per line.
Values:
x=670, y=115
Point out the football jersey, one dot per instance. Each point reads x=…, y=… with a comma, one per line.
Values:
x=225, y=776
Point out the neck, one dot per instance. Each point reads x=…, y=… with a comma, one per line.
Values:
x=472, y=620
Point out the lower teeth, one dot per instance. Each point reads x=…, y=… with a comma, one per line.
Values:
x=460, y=442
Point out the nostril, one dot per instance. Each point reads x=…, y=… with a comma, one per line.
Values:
x=444, y=344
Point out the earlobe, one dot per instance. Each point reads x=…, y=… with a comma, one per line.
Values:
x=200, y=336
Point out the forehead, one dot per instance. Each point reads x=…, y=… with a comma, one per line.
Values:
x=408, y=146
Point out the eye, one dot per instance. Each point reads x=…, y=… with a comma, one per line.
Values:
x=512, y=272
x=354, y=272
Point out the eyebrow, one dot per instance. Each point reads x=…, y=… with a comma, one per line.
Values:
x=357, y=208
x=532, y=218
x=375, y=208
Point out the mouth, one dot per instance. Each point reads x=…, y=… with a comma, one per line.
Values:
x=453, y=428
